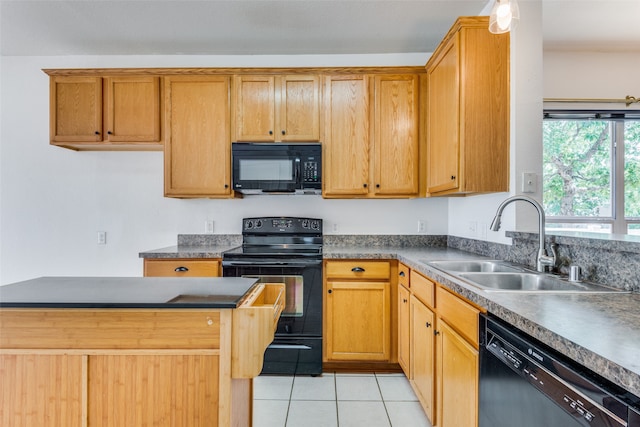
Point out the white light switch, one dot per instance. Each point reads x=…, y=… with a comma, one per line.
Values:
x=529, y=182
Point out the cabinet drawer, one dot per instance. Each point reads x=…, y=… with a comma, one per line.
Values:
x=403, y=275
x=423, y=288
x=254, y=326
x=460, y=315
x=181, y=268
x=356, y=269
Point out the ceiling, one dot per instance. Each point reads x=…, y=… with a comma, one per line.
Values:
x=272, y=27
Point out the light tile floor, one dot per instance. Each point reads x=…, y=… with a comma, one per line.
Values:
x=336, y=400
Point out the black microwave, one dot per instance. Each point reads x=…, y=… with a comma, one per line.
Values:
x=268, y=167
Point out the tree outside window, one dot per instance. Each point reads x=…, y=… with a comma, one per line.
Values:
x=591, y=172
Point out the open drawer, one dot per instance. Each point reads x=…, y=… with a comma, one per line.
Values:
x=254, y=326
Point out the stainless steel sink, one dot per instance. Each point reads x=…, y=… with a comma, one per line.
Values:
x=530, y=282
x=475, y=266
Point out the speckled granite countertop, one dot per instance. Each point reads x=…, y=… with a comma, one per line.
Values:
x=599, y=331
x=188, y=251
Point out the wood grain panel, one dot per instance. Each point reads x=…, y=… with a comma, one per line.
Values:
x=198, y=136
x=109, y=328
x=350, y=269
x=41, y=390
x=76, y=109
x=175, y=268
x=346, y=138
x=154, y=390
x=463, y=317
x=396, y=135
x=299, y=112
x=133, y=109
x=423, y=289
x=359, y=327
x=255, y=108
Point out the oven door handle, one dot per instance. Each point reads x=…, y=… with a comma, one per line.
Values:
x=270, y=264
x=290, y=346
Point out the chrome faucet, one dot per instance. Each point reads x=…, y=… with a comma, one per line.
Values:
x=543, y=260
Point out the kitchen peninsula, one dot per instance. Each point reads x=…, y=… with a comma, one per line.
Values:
x=80, y=351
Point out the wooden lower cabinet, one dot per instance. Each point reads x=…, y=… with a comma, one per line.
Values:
x=404, y=330
x=423, y=355
x=443, y=351
x=359, y=311
x=359, y=325
x=457, y=373
x=181, y=267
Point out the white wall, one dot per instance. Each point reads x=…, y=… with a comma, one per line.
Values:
x=611, y=75
x=53, y=201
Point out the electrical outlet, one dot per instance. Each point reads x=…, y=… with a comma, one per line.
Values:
x=335, y=227
x=422, y=226
x=208, y=226
x=472, y=228
x=529, y=182
x=482, y=228
x=102, y=237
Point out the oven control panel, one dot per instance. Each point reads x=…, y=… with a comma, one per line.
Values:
x=286, y=225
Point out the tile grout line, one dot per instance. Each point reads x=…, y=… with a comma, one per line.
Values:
x=384, y=403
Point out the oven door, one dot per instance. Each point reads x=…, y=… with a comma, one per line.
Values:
x=302, y=316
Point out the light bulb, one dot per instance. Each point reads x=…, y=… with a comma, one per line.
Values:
x=503, y=16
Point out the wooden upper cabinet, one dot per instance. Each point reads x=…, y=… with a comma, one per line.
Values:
x=277, y=108
x=371, y=136
x=102, y=113
x=197, y=151
x=468, y=111
x=396, y=144
x=347, y=136
x=133, y=109
x=76, y=109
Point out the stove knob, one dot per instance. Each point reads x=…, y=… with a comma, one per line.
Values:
x=258, y=223
x=315, y=225
x=249, y=225
x=305, y=223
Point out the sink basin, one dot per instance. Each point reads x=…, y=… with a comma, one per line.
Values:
x=530, y=282
x=475, y=266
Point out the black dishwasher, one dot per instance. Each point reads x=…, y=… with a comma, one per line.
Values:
x=523, y=383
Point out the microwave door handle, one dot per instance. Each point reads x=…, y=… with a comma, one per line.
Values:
x=297, y=170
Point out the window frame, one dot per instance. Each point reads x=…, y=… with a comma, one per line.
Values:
x=618, y=222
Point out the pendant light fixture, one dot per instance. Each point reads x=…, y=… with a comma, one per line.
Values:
x=504, y=17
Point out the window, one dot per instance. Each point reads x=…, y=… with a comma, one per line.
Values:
x=591, y=171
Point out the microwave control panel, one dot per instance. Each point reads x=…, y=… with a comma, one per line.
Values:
x=310, y=171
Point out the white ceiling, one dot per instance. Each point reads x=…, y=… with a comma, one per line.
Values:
x=269, y=27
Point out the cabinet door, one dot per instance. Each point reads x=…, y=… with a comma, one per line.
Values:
x=396, y=135
x=458, y=363
x=153, y=389
x=423, y=355
x=198, y=141
x=76, y=109
x=443, y=125
x=42, y=389
x=346, y=136
x=299, y=112
x=255, y=108
x=133, y=109
x=404, y=330
x=358, y=323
